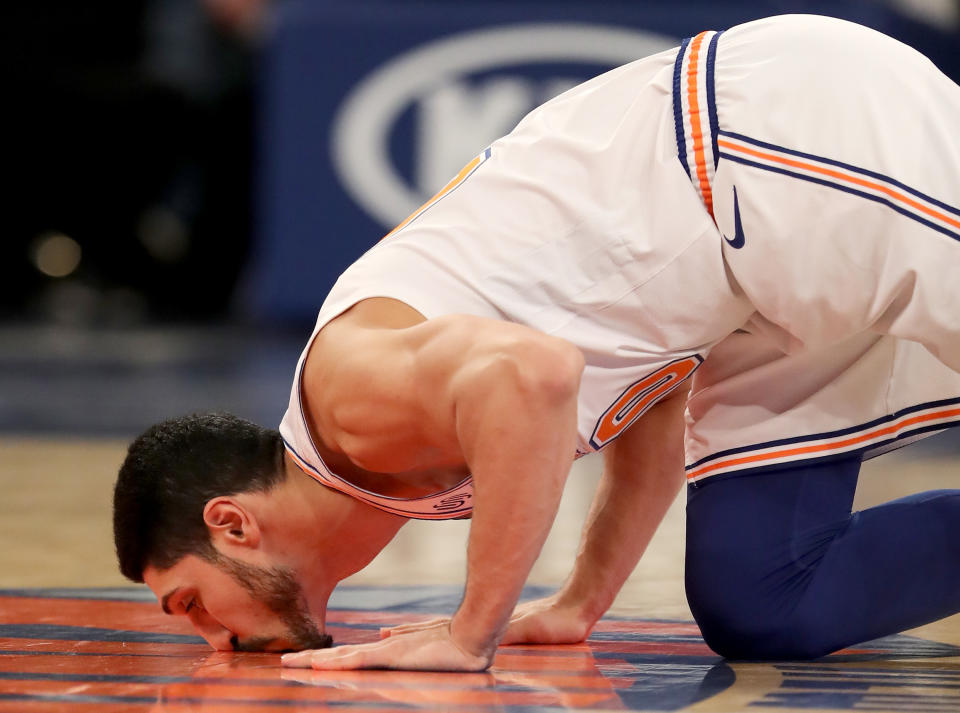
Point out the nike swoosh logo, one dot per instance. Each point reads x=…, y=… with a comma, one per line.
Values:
x=738, y=237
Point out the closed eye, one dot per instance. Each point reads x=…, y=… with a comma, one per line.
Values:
x=189, y=606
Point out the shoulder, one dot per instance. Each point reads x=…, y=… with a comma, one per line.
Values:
x=383, y=348
x=376, y=325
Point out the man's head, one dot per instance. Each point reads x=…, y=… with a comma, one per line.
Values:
x=186, y=521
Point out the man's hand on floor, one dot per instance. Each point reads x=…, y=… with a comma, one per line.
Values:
x=541, y=621
x=430, y=649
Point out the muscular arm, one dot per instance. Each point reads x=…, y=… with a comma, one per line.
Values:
x=499, y=395
x=643, y=471
x=516, y=423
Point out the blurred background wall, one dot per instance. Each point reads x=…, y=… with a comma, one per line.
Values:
x=205, y=159
x=368, y=107
x=186, y=178
x=130, y=156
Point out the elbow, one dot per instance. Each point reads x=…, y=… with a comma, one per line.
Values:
x=567, y=364
x=546, y=368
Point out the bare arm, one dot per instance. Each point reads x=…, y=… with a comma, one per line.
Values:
x=517, y=426
x=500, y=395
x=643, y=470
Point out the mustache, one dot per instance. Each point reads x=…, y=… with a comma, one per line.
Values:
x=312, y=640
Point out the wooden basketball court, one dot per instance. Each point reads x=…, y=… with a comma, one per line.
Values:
x=74, y=636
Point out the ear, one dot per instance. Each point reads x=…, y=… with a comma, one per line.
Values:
x=230, y=523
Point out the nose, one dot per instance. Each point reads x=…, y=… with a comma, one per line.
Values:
x=221, y=640
x=218, y=636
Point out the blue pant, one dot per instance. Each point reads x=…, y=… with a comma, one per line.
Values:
x=778, y=567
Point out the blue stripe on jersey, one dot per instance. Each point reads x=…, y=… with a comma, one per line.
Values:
x=678, y=106
x=846, y=166
x=712, y=98
x=847, y=189
x=850, y=430
x=825, y=457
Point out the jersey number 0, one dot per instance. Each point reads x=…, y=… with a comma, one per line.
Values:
x=637, y=399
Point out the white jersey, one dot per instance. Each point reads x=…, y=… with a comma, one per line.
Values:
x=593, y=221
x=829, y=156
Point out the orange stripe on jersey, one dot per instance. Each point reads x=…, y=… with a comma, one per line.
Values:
x=821, y=448
x=833, y=173
x=456, y=181
x=699, y=158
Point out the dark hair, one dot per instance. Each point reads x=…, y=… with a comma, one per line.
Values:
x=170, y=473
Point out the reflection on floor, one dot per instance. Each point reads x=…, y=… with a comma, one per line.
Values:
x=113, y=650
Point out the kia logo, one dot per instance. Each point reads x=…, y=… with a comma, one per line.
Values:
x=456, y=119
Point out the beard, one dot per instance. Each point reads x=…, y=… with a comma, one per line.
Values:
x=278, y=590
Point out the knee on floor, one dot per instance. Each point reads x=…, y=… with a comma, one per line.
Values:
x=750, y=633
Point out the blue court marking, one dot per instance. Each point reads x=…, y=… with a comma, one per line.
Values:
x=893, y=675
x=862, y=684
x=116, y=678
x=71, y=652
x=107, y=594
x=61, y=632
x=245, y=703
x=858, y=701
x=831, y=687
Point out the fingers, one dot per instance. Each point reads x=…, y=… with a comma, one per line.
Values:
x=338, y=658
x=344, y=661
x=300, y=659
x=410, y=628
x=427, y=650
x=522, y=610
x=533, y=606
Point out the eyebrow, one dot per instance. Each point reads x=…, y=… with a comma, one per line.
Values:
x=166, y=598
